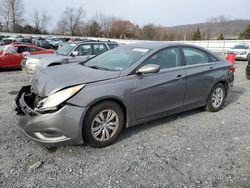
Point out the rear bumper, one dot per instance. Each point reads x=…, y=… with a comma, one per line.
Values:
x=54, y=129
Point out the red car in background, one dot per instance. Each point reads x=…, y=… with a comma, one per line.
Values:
x=12, y=55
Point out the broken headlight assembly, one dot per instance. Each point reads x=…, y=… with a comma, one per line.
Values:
x=53, y=101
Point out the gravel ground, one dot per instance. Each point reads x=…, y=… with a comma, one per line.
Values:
x=191, y=149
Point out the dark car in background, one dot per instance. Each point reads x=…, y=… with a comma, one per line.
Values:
x=1, y=37
x=93, y=101
x=44, y=44
x=26, y=40
x=248, y=67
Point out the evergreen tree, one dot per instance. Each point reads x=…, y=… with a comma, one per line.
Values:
x=1, y=27
x=95, y=29
x=246, y=33
x=220, y=37
x=197, y=34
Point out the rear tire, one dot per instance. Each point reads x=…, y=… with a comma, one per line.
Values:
x=216, y=98
x=103, y=124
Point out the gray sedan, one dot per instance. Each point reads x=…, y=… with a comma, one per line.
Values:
x=93, y=101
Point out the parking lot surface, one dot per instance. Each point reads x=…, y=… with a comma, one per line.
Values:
x=190, y=149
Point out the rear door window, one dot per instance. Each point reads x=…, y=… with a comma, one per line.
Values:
x=84, y=49
x=111, y=46
x=99, y=48
x=195, y=56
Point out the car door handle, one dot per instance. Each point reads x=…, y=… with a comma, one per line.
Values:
x=211, y=68
x=180, y=76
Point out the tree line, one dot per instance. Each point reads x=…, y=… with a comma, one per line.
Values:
x=73, y=22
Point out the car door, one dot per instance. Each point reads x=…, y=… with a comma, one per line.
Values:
x=84, y=52
x=163, y=91
x=11, y=58
x=201, y=70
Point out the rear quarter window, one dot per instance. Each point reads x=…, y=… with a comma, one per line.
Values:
x=195, y=56
x=213, y=58
x=111, y=46
x=30, y=49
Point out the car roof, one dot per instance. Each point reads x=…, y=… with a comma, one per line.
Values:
x=154, y=45
x=242, y=44
x=91, y=41
x=28, y=45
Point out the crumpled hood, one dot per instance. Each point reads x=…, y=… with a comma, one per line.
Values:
x=52, y=79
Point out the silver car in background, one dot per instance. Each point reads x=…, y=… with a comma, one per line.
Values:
x=70, y=52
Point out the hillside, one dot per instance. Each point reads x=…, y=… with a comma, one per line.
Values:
x=230, y=29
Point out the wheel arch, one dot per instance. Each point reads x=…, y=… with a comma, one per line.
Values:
x=54, y=64
x=113, y=99
x=225, y=84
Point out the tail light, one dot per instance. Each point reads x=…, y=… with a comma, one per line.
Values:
x=231, y=69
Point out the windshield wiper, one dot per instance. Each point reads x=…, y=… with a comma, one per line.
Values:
x=97, y=67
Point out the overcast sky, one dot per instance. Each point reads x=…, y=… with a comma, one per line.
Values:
x=163, y=12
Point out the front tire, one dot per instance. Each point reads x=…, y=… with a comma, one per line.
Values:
x=216, y=98
x=103, y=124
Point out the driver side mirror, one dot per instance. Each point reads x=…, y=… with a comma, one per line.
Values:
x=150, y=68
x=75, y=53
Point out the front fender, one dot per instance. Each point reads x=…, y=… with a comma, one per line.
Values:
x=120, y=89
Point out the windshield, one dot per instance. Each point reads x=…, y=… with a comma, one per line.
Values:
x=117, y=59
x=242, y=47
x=65, y=49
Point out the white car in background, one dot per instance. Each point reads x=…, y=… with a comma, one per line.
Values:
x=240, y=50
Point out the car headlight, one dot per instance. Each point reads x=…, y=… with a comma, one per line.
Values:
x=31, y=60
x=243, y=53
x=52, y=101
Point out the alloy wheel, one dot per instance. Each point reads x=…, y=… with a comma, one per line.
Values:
x=105, y=125
x=217, y=97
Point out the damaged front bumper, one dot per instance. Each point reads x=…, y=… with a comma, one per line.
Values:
x=52, y=129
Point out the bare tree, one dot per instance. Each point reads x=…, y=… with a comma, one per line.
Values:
x=208, y=28
x=223, y=21
x=40, y=21
x=105, y=22
x=122, y=29
x=12, y=12
x=1, y=26
x=61, y=30
x=72, y=19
